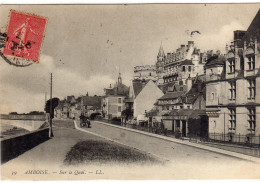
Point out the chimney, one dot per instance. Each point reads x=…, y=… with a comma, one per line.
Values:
x=238, y=35
x=190, y=43
x=226, y=48
x=236, y=49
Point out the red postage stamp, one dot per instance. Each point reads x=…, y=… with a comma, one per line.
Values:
x=24, y=36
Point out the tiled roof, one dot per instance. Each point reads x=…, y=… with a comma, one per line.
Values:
x=176, y=87
x=165, y=87
x=171, y=95
x=253, y=31
x=138, y=86
x=119, y=89
x=109, y=91
x=216, y=60
x=69, y=98
x=173, y=112
x=193, y=114
x=92, y=101
x=186, y=62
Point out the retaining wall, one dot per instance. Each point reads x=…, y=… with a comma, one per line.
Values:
x=14, y=146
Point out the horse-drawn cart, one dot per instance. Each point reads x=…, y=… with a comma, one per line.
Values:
x=84, y=121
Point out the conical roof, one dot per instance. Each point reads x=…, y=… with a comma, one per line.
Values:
x=161, y=52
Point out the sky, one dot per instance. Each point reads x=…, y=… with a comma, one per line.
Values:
x=86, y=46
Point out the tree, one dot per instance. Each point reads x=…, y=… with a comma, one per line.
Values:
x=36, y=113
x=55, y=103
x=13, y=113
x=127, y=113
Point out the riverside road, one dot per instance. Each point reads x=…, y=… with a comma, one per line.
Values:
x=182, y=161
x=166, y=150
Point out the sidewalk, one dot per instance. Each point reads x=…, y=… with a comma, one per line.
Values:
x=238, y=148
x=48, y=156
x=184, y=142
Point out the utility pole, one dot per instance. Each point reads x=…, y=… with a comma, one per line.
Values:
x=50, y=131
x=45, y=99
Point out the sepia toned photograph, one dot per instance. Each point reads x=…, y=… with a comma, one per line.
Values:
x=130, y=92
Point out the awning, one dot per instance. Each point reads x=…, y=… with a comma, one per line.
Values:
x=184, y=114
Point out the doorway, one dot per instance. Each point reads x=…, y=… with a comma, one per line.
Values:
x=184, y=128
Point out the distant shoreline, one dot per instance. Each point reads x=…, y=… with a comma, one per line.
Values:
x=23, y=117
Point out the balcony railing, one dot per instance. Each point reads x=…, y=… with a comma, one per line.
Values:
x=231, y=129
x=251, y=130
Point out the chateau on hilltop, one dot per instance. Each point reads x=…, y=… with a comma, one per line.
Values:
x=175, y=67
x=152, y=72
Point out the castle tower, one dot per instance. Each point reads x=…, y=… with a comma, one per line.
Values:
x=160, y=64
x=161, y=55
x=160, y=60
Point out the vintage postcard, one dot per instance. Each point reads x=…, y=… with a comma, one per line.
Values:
x=130, y=92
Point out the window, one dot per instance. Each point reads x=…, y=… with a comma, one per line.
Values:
x=232, y=119
x=231, y=66
x=251, y=62
x=251, y=89
x=189, y=68
x=251, y=119
x=119, y=108
x=188, y=107
x=232, y=90
x=212, y=96
x=183, y=68
x=150, y=74
x=167, y=107
x=181, y=107
x=119, y=100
